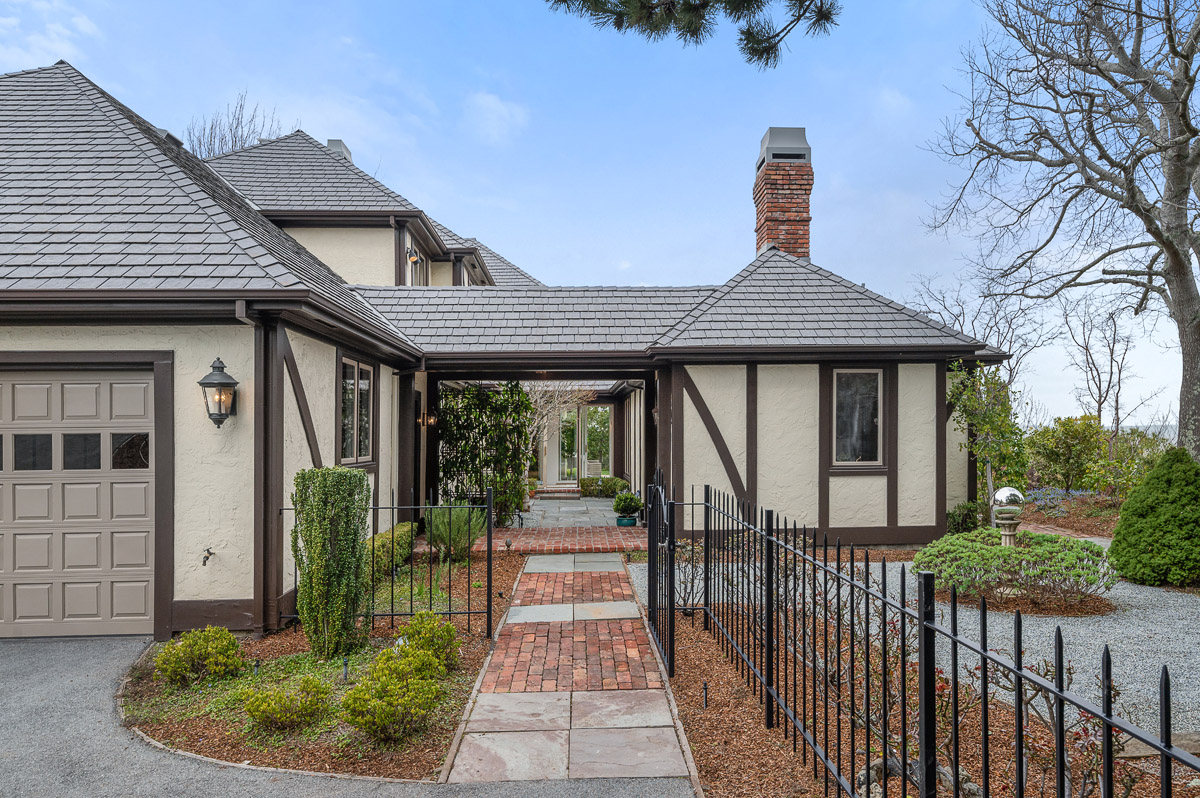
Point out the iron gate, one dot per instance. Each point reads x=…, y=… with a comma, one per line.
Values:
x=660, y=525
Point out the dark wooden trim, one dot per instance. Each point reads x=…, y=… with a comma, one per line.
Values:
x=359, y=359
x=616, y=429
x=237, y=614
x=399, y=230
x=649, y=433
x=714, y=434
x=273, y=422
x=260, y=479
x=91, y=361
x=678, y=489
x=881, y=535
x=306, y=419
x=406, y=439
x=752, y=433
x=942, y=457
x=825, y=442
x=164, y=494
x=433, y=392
x=287, y=602
x=891, y=396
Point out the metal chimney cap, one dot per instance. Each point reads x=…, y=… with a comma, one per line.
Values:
x=784, y=144
x=339, y=146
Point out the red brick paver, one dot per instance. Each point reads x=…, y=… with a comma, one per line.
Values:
x=566, y=539
x=587, y=655
x=573, y=588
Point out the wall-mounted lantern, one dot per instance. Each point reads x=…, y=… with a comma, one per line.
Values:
x=428, y=419
x=220, y=393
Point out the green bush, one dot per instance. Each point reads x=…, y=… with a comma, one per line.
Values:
x=627, y=503
x=390, y=550
x=329, y=545
x=589, y=487
x=1061, y=454
x=1130, y=455
x=1051, y=570
x=453, y=531
x=611, y=486
x=1157, y=539
x=427, y=631
x=966, y=517
x=397, y=695
x=209, y=653
x=277, y=709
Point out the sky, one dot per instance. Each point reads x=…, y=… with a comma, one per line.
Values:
x=583, y=156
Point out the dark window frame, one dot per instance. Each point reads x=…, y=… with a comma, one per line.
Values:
x=879, y=466
x=370, y=460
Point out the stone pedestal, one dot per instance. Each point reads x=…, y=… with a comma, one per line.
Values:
x=1008, y=531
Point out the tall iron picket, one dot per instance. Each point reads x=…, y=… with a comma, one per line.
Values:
x=660, y=529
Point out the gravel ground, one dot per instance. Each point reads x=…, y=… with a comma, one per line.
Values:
x=1150, y=627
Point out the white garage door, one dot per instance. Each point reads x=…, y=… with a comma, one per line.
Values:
x=76, y=503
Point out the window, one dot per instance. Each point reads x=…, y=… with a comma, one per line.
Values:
x=357, y=417
x=131, y=450
x=857, y=431
x=81, y=450
x=33, y=452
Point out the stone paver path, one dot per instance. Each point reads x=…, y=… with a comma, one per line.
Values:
x=573, y=689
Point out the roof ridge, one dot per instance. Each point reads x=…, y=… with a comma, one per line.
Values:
x=703, y=305
x=240, y=150
x=56, y=65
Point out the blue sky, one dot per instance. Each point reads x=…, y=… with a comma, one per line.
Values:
x=583, y=156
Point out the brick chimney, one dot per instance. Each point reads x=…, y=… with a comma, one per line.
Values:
x=782, y=185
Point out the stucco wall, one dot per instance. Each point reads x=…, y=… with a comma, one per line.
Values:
x=361, y=255
x=635, y=440
x=317, y=363
x=957, y=464
x=441, y=273
x=788, y=429
x=724, y=391
x=857, y=501
x=917, y=443
x=214, y=498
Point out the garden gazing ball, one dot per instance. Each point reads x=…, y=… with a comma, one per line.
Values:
x=1008, y=502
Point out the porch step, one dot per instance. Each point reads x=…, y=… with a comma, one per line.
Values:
x=557, y=493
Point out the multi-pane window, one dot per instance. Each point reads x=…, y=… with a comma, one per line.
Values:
x=358, y=389
x=857, y=395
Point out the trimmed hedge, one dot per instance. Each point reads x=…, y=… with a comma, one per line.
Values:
x=1157, y=539
x=1047, y=569
x=397, y=696
x=602, y=487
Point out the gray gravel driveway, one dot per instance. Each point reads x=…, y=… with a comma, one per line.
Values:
x=60, y=736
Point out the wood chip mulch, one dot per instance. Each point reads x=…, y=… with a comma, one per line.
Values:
x=343, y=750
x=1088, y=607
x=1077, y=522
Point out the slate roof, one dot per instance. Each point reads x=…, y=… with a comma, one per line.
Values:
x=298, y=173
x=93, y=197
x=498, y=319
x=780, y=300
x=503, y=271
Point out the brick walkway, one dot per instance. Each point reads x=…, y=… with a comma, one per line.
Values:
x=572, y=588
x=573, y=689
x=566, y=539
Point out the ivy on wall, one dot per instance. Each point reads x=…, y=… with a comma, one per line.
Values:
x=329, y=544
x=486, y=440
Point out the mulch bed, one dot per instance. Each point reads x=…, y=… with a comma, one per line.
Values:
x=344, y=750
x=1088, y=607
x=1076, y=522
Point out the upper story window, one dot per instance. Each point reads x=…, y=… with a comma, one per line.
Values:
x=858, y=434
x=418, y=267
x=357, y=411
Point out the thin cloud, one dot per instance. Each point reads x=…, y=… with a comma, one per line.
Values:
x=39, y=34
x=492, y=119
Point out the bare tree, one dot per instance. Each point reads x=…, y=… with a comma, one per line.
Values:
x=232, y=129
x=550, y=398
x=1084, y=160
x=1015, y=324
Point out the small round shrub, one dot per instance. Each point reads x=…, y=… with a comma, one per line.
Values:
x=1051, y=570
x=589, y=487
x=627, y=503
x=278, y=709
x=390, y=550
x=611, y=486
x=1157, y=539
x=209, y=653
x=965, y=517
x=397, y=695
x=427, y=631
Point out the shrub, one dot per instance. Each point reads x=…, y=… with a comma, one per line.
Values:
x=329, y=544
x=965, y=517
x=278, y=709
x=397, y=695
x=1062, y=453
x=627, y=503
x=1130, y=456
x=611, y=486
x=209, y=653
x=1157, y=539
x=453, y=531
x=1047, y=569
x=589, y=487
x=428, y=632
x=390, y=550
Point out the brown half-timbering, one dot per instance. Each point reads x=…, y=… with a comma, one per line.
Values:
x=273, y=476
x=649, y=449
x=824, y=436
x=231, y=613
x=261, y=521
x=678, y=373
x=306, y=419
x=714, y=434
x=162, y=363
x=891, y=398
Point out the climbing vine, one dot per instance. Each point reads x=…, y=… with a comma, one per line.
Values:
x=486, y=440
x=329, y=544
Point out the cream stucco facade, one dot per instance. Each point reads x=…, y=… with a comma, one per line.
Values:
x=788, y=430
x=360, y=255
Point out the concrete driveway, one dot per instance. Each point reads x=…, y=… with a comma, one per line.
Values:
x=59, y=736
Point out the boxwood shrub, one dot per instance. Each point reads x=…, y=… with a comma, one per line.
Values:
x=397, y=695
x=427, y=631
x=279, y=709
x=209, y=653
x=589, y=487
x=390, y=550
x=1157, y=539
x=1050, y=570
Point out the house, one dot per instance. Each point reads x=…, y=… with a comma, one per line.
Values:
x=128, y=267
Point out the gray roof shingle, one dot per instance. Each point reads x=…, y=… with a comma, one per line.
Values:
x=93, y=197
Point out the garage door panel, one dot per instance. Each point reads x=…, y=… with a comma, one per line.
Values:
x=76, y=503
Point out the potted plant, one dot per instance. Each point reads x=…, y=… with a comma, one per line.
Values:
x=531, y=483
x=627, y=506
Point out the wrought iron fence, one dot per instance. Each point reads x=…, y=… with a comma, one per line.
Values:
x=877, y=685
x=660, y=572
x=436, y=574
